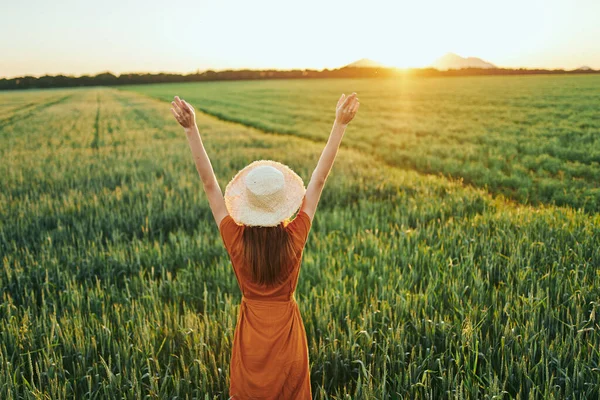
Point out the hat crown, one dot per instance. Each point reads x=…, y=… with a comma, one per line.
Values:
x=264, y=193
x=264, y=181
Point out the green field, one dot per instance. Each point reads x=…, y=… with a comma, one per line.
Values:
x=115, y=283
x=531, y=138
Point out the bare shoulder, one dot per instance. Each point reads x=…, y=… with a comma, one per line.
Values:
x=306, y=212
x=303, y=215
x=224, y=220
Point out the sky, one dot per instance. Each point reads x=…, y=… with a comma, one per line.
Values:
x=76, y=37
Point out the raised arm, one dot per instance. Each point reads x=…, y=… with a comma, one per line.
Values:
x=184, y=114
x=345, y=110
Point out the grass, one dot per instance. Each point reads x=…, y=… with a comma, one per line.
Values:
x=531, y=138
x=114, y=282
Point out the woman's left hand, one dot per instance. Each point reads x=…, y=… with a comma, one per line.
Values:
x=183, y=113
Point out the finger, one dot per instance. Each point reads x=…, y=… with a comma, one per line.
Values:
x=350, y=106
x=176, y=107
x=355, y=109
x=349, y=100
x=341, y=100
x=189, y=107
x=182, y=108
x=175, y=114
x=178, y=101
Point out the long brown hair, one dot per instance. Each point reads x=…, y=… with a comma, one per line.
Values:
x=268, y=251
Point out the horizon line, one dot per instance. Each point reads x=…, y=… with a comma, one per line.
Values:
x=201, y=71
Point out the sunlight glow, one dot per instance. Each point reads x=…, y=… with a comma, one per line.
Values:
x=77, y=37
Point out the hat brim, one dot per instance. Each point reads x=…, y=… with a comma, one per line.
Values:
x=242, y=211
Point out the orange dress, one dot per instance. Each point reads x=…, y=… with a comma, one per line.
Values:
x=269, y=359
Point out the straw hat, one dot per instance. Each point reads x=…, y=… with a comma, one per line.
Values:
x=264, y=193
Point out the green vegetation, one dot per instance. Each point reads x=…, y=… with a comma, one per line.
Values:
x=531, y=138
x=109, y=79
x=115, y=283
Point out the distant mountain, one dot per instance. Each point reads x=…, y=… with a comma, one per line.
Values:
x=454, y=61
x=365, y=63
x=584, y=68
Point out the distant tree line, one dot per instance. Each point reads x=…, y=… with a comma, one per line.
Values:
x=109, y=79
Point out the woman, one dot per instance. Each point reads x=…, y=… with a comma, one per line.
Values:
x=269, y=358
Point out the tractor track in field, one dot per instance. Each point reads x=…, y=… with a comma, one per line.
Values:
x=25, y=107
x=360, y=151
x=136, y=110
x=462, y=180
x=96, y=141
x=233, y=120
x=31, y=111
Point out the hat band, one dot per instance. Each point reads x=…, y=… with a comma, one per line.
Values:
x=268, y=202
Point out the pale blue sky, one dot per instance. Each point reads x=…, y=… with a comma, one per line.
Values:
x=84, y=37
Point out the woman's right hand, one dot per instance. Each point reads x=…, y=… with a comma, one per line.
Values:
x=346, y=108
x=183, y=113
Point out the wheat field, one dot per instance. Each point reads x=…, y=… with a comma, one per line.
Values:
x=426, y=275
